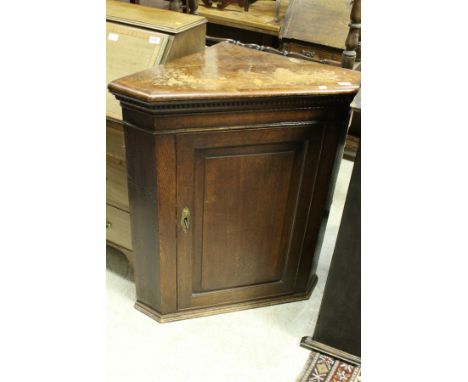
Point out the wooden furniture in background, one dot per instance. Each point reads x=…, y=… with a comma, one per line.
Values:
x=137, y=38
x=321, y=30
x=317, y=28
x=242, y=3
x=353, y=41
x=353, y=138
x=187, y=6
x=259, y=19
x=338, y=329
x=232, y=155
x=221, y=4
x=259, y=25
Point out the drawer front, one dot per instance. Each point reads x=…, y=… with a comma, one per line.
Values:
x=115, y=141
x=118, y=227
x=315, y=51
x=116, y=184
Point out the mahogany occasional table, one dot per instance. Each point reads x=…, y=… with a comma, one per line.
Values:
x=232, y=157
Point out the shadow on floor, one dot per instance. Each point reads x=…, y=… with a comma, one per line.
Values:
x=117, y=263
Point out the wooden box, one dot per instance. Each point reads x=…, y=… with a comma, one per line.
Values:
x=233, y=155
x=137, y=38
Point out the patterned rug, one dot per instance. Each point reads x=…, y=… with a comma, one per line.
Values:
x=322, y=368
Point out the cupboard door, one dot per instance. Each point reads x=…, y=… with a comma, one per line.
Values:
x=248, y=195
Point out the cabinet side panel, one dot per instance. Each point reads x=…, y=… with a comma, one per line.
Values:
x=141, y=166
x=330, y=159
x=167, y=210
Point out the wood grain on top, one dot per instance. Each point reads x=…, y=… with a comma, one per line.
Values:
x=323, y=22
x=151, y=18
x=229, y=71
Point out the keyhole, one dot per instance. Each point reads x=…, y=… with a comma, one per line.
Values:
x=185, y=220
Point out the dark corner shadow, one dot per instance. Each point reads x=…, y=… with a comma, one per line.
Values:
x=117, y=263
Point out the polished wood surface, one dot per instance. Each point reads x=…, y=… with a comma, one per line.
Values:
x=227, y=71
x=231, y=173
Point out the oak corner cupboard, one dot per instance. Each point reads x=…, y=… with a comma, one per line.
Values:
x=232, y=156
x=137, y=38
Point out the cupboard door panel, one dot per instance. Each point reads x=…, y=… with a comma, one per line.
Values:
x=248, y=203
x=243, y=214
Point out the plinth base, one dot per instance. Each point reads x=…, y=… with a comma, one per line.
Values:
x=194, y=313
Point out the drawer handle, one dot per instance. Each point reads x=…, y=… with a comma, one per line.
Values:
x=108, y=224
x=185, y=220
x=308, y=53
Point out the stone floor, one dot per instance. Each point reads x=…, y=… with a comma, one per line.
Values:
x=254, y=345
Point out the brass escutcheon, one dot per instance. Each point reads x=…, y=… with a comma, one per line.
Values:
x=185, y=220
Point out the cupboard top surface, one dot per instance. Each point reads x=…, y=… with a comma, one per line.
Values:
x=230, y=71
x=151, y=18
